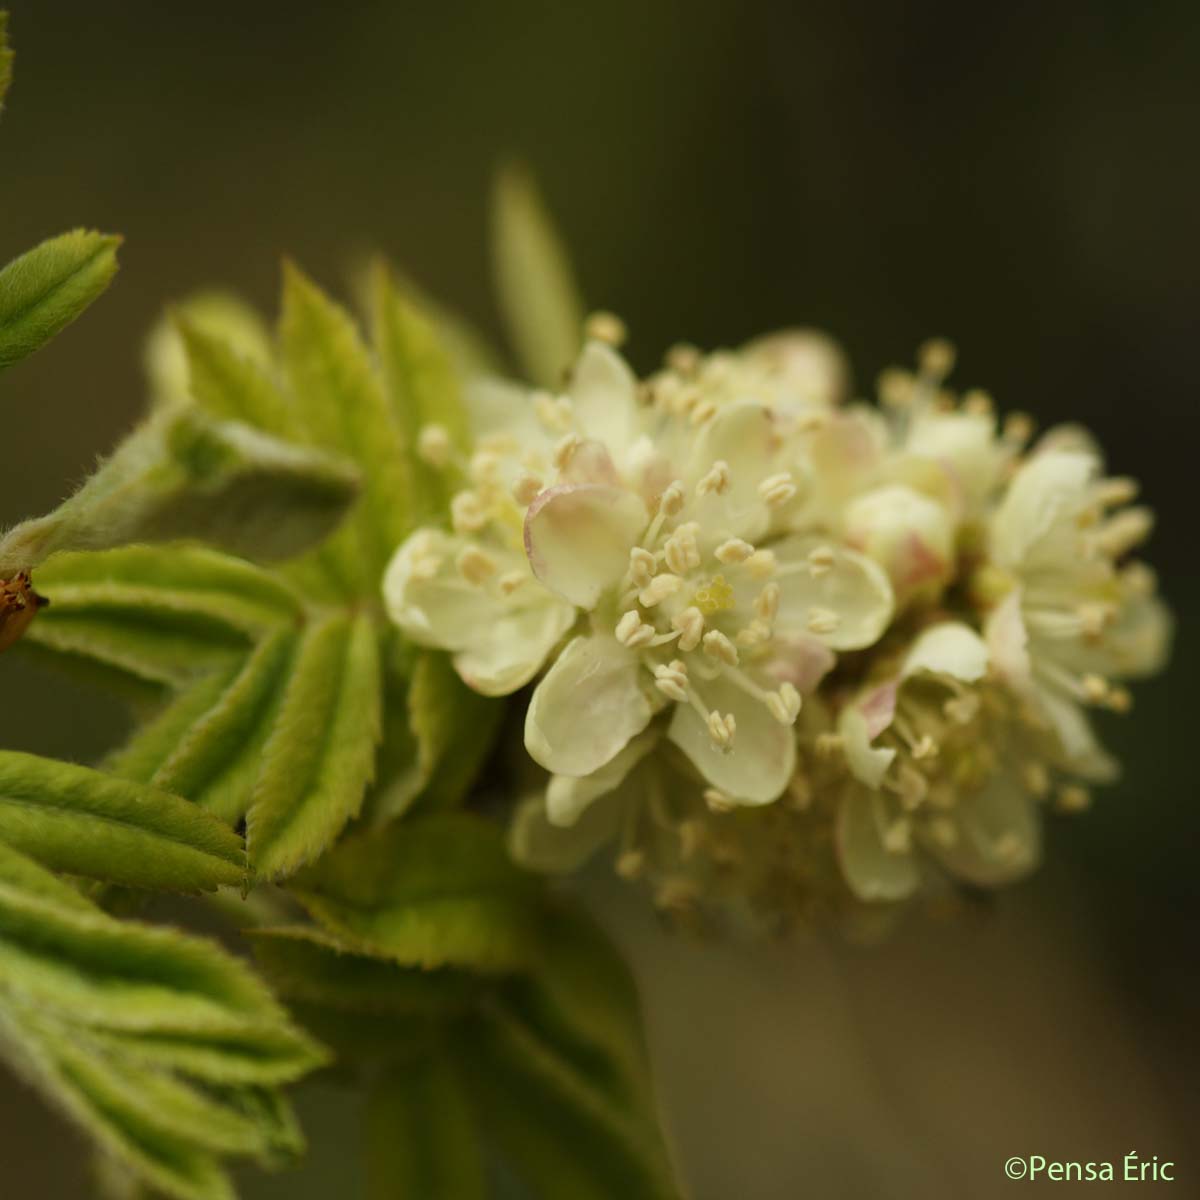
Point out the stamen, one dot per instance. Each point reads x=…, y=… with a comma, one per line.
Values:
x=658, y=589
x=526, y=488
x=671, y=679
x=766, y=603
x=722, y=729
x=510, y=581
x=1124, y=531
x=1019, y=427
x=606, y=327
x=630, y=864
x=1037, y=779
x=690, y=624
x=632, y=632
x=484, y=468
x=434, y=446
x=754, y=634
x=467, y=512
x=897, y=837
x=683, y=358
x=823, y=621
x=704, y=411
x=642, y=565
x=777, y=490
x=784, y=705
x=735, y=550
x=936, y=357
x=717, y=801
x=1073, y=798
x=475, y=565
x=895, y=388
x=716, y=480
x=718, y=646
x=564, y=450
x=820, y=561
x=681, y=549
x=978, y=403
x=554, y=412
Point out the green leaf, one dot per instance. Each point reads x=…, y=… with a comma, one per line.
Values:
x=86, y=823
x=304, y=965
x=45, y=289
x=537, y=290
x=159, y=1045
x=184, y=475
x=6, y=59
x=424, y=388
x=431, y=891
x=562, y=1136
x=340, y=404
x=421, y=1135
x=320, y=756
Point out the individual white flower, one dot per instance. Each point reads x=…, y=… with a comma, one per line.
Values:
x=1067, y=619
x=675, y=542
x=937, y=774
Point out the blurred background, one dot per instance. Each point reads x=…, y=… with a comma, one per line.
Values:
x=1015, y=177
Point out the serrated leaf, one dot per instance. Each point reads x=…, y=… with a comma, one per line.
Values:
x=538, y=294
x=87, y=823
x=231, y=385
x=431, y=892
x=45, y=289
x=423, y=385
x=163, y=616
x=320, y=756
x=156, y=1043
x=340, y=404
x=562, y=1136
x=305, y=966
x=6, y=59
x=184, y=475
x=421, y=1136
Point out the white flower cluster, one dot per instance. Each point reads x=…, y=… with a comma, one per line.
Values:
x=786, y=647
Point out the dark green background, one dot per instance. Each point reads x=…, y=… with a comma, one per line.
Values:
x=1022, y=178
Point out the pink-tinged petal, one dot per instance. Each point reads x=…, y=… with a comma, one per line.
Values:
x=587, y=707
x=801, y=660
x=758, y=765
x=603, y=393
x=807, y=364
x=878, y=708
x=846, y=455
x=867, y=763
x=873, y=872
x=578, y=538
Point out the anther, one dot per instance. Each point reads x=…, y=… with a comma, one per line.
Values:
x=820, y=561
x=642, y=565
x=526, y=488
x=735, y=550
x=434, y=445
x=755, y=633
x=978, y=403
x=777, y=490
x=718, y=646
x=564, y=450
x=690, y=624
x=475, y=565
x=716, y=480
x=683, y=358
x=823, y=621
x=766, y=603
x=606, y=327
x=631, y=631
x=510, y=581
x=722, y=729
x=936, y=357
x=671, y=501
x=1018, y=428
x=704, y=411
x=895, y=388
x=554, y=412
x=671, y=679
x=467, y=512
x=681, y=549
x=761, y=564
x=658, y=589
x=784, y=705
x=717, y=801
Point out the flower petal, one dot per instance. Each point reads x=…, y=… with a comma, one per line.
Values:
x=1042, y=497
x=508, y=651
x=853, y=588
x=578, y=538
x=1082, y=754
x=873, y=872
x=1008, y=644
x=603, y=392
x=999, y=835
x=568, y=796
x=538, y=844
x=866, y=762
x=808, y=366
x=741, y=436
x=587, y=707
x=950, y=648
x=757, y=767
x=425, y=595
